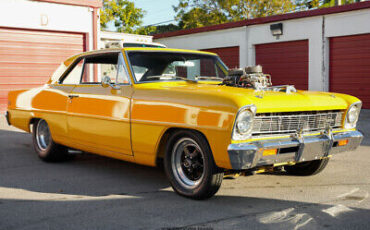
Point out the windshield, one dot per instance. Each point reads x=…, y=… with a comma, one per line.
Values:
x=162, y=66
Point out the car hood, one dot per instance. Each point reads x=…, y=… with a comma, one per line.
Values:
x=265, y=101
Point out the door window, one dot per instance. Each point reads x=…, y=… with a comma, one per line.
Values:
x=74, y=76
x=122, y=74
x=104, y=65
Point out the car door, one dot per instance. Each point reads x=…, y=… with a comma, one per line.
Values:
x=99, y=117
x=55, y=99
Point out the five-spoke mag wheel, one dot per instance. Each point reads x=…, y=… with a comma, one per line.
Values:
x=190, y=167
x=188, y=162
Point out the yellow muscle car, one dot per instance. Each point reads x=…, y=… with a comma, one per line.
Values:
x=185, y=109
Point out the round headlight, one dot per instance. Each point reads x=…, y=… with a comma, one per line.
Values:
x=244, y=122
x=353, y=113
x=352, y=116
x=243, y=125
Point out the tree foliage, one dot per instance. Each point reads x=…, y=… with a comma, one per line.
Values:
x=165, y=28
x=307, y=4
x=125, y=15
x=198, y=13
x=330, y=3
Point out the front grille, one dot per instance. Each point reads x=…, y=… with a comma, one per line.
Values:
x=290, y=123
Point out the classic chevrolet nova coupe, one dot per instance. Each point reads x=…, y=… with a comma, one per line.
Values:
x=185, y=109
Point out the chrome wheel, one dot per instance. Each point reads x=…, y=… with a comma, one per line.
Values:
x=43, y=137
x=187, y=163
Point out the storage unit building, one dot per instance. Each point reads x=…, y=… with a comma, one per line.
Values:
x=323, y=49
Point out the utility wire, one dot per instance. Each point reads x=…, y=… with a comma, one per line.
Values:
x=160, y=23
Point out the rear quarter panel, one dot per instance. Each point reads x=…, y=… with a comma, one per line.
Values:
x=19, y=116
x=47, y=102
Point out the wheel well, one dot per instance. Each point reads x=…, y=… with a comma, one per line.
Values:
x=32, y=122
x=166, y=136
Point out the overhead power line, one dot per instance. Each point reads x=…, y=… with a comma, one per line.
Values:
x=155, y=24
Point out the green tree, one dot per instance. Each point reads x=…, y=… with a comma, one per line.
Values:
x=125, y=15
x=145, y=30
x=330, y=3
x=165, y=28
x=307, y=4
x=198, y=13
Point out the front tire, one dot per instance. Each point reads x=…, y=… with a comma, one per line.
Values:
x=307, y=168
x=44, y=145
x=190, y=167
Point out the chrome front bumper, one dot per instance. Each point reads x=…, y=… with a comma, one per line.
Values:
x=295, y=149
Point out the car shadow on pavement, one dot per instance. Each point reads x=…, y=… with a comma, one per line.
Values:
x=93, y=192
x=79, y=176
x=166, y=210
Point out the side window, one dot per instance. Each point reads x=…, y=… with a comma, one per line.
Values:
x=91, y=70
x=74, y=76
x=58, y=73
x=104, y=65
x=122, y=75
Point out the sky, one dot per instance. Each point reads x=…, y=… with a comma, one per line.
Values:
x=156, y=11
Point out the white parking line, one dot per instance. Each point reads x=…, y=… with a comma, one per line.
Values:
x=276, y=217
x=303, y=224
x=349, y=193
x=337, y=209
x=365, y=197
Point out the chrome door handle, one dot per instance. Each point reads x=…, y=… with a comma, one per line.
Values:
x=72, y=96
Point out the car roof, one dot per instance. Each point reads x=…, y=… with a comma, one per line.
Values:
x=167, y=50
x=158, y=45
x=128, y=49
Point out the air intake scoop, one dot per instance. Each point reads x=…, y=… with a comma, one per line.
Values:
x=253, y=77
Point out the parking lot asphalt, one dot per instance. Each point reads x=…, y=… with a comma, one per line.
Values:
x=93, y=192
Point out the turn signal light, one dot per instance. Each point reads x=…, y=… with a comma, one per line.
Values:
x=269, y=152
x=342, y=142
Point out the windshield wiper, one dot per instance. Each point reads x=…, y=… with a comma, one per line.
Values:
x=209, y=78
x=184, y=78
x=171, y=78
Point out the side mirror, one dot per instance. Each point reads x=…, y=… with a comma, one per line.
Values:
x=107, y=82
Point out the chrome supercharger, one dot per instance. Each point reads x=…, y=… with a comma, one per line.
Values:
x=253, y=77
